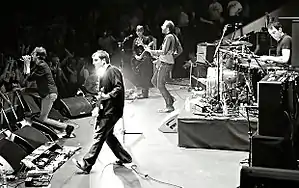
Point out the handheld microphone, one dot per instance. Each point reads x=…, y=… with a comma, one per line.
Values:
x=128, y=37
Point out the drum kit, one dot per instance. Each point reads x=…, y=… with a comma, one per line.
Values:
x=232, y=81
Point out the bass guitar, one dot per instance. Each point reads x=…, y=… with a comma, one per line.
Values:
x=139, y=59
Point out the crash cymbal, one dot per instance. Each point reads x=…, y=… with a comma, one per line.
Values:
x=240, y=43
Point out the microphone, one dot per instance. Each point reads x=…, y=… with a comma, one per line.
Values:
x=128, y=37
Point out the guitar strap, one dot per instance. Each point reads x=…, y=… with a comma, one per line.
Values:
x=175, y=42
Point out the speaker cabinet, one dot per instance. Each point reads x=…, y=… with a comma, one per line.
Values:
x=75, y=106
x=205, y=52
x=35, y=137
x=12, y=153
x=255, y=177
x=276, y=103
x=295, y=43
x=273, y=152
x=45, y=129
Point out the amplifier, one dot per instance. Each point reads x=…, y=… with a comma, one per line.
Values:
x=205, y=52
x=276, y=101
x=254, y=177
x=273, y=152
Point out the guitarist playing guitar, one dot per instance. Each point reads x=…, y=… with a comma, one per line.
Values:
x=142, y=60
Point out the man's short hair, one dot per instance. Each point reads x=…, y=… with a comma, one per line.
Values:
x=102, y=55
x=275, y=24
x=140, y=28
x=170, y=25
x=40, y=52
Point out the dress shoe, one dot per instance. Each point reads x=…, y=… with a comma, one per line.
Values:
x=166, y=110
x=82, y=166
x=68, y=130
x=141, y=96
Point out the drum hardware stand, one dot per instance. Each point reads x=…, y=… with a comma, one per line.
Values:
x=122, y=51
x=248, y=83
x=250, y=132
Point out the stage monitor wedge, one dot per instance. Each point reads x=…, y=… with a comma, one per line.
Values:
x=169, y=124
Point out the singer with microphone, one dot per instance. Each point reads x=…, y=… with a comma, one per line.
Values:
x=36, y=69
x=112, y=99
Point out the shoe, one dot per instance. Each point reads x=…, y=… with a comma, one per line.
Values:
x=81, y=166
x=68, y=130
x=141, y=96
x=125, y=159
x=166, y=110
x=173, y=99
x=121, y=162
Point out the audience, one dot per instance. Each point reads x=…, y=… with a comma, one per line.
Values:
x=86, y=30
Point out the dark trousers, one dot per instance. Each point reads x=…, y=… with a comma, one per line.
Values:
x=159, y=79
x=104, y=132
x=144, y=75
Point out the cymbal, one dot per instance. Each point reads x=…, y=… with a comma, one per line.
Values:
x=240, y=43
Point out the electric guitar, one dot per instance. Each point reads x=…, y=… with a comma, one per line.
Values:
x=97, y=100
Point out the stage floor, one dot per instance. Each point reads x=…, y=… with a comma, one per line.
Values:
x=155, y=153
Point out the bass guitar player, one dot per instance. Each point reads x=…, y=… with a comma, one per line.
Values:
x=142, y=61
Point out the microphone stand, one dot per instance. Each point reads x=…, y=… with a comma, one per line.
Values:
x=122, y=51
x=216, y=54
x=123, y=131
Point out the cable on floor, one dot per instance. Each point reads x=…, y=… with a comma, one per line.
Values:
x=146, y=176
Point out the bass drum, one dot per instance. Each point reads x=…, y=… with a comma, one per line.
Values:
x=229, y=77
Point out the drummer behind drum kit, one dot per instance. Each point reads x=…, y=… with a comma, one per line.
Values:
x=232, y=81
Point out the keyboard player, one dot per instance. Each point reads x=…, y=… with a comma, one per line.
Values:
x=284, y=45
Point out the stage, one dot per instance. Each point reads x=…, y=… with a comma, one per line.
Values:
x=155, y=153
x=212, y=132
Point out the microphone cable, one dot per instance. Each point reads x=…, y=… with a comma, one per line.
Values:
x=148, y=177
